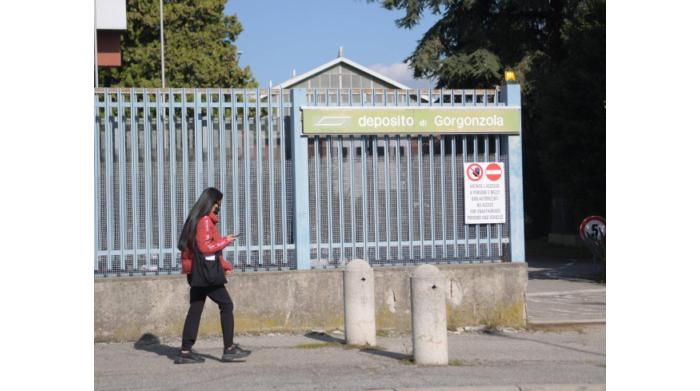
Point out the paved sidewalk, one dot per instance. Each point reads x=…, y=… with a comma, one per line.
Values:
x=319, y=362
x=559, y=292
x=526, y=387
x=562, y=292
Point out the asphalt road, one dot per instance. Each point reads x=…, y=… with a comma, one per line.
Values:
x=564, y=291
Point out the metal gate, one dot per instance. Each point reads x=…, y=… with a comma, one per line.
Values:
x=297, y=201
x=400, y=199
x=156, y=150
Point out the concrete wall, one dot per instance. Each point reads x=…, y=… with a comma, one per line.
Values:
x=482, y=294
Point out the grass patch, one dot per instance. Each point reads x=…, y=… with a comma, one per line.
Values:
x=456, y=363
x=408, y=361
x=383, y=333
x=348, y=347
x=317, y=345
x=334, y=344
x=558, y=328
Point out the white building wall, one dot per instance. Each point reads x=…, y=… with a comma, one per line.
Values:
x=110, y=14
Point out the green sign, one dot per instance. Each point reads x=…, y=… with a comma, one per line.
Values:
x=410, y=120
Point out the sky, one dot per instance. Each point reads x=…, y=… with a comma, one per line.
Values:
x=281, y=35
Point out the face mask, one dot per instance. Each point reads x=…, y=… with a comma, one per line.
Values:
x=216, y=210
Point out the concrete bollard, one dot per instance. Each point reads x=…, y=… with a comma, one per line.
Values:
x=358, y=296
x=428, y=316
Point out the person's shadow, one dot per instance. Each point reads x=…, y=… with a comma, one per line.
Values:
x=151, y=343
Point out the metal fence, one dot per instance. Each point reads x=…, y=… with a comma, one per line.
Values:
x=156, y=150
x=400, y=199
x=388, y=199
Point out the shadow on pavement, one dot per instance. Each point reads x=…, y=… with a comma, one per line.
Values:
x=323, y=337
x=500, y=334
x=151, y=343
x=569, y=269
x=548, y=261
x=384, y=353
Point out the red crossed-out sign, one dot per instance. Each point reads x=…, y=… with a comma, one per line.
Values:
x=474, y=172
x=493, y=172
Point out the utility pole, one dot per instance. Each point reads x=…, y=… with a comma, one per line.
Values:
x=162, y=49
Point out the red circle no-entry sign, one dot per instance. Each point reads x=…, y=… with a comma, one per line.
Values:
x=493, y=172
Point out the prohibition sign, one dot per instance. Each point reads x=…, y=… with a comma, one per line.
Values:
x=493, y=172
x=592, y=228
x=474, y=172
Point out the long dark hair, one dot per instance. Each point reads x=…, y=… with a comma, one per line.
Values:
x=201, y=208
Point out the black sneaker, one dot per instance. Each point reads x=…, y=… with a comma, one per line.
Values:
x=237, y=346
x=234, y=353
x=188, y=358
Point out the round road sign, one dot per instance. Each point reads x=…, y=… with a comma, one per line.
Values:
x=592, y=228
x=474, y=172
x=493, y=172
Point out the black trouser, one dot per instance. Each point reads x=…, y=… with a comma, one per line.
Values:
x=197, y=297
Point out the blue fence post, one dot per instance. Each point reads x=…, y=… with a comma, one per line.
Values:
x=300, y=170
x=515, y=178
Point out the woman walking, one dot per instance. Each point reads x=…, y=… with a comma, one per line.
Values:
x=206, y=269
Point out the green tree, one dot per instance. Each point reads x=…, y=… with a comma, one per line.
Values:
x=475, y=39
x=557, y=48
x=199, y=49
x=566, y=99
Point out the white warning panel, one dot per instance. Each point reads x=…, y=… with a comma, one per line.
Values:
x=484, y=193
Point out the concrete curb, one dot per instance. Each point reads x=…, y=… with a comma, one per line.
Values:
x=583, y=322
x=570, y=292
x=526, y=387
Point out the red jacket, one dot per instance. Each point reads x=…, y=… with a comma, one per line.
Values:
x=209, y=242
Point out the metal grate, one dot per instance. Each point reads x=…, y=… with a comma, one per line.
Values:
x=389, y=199
x=156, y=151
x=399, y=199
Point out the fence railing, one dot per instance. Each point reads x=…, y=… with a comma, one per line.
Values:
x=399, y=199
x=388, y=199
